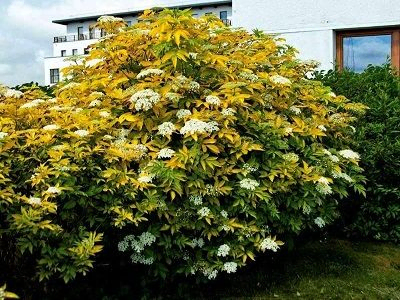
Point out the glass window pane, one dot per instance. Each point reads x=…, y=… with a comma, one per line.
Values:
x=223, y=15
x=361, y=51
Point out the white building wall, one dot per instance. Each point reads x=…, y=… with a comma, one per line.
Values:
x=56, y=61
x=310, y=25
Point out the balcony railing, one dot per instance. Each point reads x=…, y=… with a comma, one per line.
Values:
x=227, y=22
x=78, y=37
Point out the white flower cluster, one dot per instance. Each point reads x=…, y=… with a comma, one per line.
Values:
x=194, y=87
x=53, y=190
x=210, y=273
x=145, y=99
x=10, y=93
x=140, y=150
x=321, y=127
x=203, y=212
x=145, y=178
x=136, y=243
x=64, y=108
x=181, y=113
x=250, y=167
x=81, y=132
x=349, y=154
x=137, y=258
x=295, y=110
x=33, y=103
x=269, y=244
x=280, y=80
x=332, y=157
x=51, y=127
x=172, y=96
x=196, y=126
x=291, y=157
x=149, y=72
x=104, y=114
x=3, y=135
x=230, y=267
x=95, y=103
x=109, y=19
x=196, y=199
x=197, y=243
x=165, y=153
x=193, y=55
x=228, y=112
x=249, y=184
x=248, y=76
x=319, y=222
x=224, y=214
x=342, y=175
x=323, y=186
x=214, y=100
x=223, y=250
x=34, y=201
x=96, y=95
x=166, y=128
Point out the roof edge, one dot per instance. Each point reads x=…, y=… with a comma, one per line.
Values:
x=66, y=21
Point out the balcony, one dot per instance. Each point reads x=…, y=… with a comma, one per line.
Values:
x=78, y=37
x=227, y=22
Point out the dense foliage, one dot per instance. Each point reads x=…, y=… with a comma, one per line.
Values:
x=377, y=139
x=186, y=145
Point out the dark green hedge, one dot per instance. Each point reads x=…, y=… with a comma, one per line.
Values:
x=377, y=139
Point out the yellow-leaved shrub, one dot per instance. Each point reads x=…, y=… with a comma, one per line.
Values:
x=190, y=146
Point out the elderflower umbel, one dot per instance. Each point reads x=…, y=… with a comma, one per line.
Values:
x=248, y=76
x=104, y=114
x=197, y=243
x=269, y=244
x=181, y=113
x=228, y=112
x=3, y=135
x=291, y=157
x=145, y=178
x=149, y=72
x=95, y=103
x=250, y=167
x=147, y=238
x=210, y=273
x=196, y=199
x=34, y=201
x=53, y=190
x=280, y=80
x=224, y=214
x=249, y=184
x=145, y=99
x=51, y=127
x=166, y=128
x=194, y=87
x=323, y=186
x=319, y=222
x=214, y=100
x=107, y=19
x=203, y=212
x=349, y=154
x=230, y=267
x=223, y=250
x=141, y=259
x=165, y=153
x=295, y=110
x=10, y=93
x=196, y=126
x=81, y=132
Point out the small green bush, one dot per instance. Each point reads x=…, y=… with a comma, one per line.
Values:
x=377, y=139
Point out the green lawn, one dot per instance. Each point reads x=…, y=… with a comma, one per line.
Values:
x=320, y=270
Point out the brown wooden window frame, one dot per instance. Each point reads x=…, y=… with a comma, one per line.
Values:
x=395, y=38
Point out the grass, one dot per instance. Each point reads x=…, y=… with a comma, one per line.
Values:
x=320, y=270
x=334, y=269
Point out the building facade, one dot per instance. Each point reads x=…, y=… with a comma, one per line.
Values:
x=350, y=34
x=80, y=35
